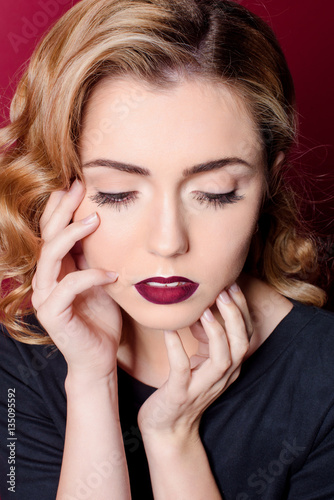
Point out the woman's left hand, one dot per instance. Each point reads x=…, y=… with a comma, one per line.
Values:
x=175, y=409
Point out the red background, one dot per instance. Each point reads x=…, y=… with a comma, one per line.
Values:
x=305, y=31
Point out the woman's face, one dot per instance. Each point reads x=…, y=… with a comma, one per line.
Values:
x=177, y=179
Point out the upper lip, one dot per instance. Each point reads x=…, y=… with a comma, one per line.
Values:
x=160, y=279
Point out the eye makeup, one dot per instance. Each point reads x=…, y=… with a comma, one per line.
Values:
x=119, y=200
x=116, y=200
x=217, y=200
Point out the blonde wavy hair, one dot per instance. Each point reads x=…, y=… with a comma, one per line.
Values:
x=158, y=41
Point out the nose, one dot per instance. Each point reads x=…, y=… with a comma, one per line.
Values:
x=167, y=231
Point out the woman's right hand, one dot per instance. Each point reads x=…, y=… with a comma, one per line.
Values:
x=71, y=304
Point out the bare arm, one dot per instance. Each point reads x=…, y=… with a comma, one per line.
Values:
x=180, y=469
x=169, y=419
x=94, y=462
x=85, y=324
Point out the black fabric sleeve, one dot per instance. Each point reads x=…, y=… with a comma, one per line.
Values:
x=32, y=421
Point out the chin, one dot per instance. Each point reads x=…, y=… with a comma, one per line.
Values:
x=163, y=317
x=166, y=319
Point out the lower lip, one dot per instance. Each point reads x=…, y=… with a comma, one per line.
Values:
x=166, y=295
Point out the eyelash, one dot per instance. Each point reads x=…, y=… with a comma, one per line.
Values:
x=217, y=200
x=119, y=200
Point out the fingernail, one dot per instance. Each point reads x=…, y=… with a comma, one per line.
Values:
x=208, y=316
x=224, y=297
x=74, y=187
x=90, y=219
x=234, y=288
x=112, y=275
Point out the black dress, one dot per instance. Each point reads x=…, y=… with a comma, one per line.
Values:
x=270, y=436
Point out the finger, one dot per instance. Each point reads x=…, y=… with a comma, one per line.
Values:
x=235, y=327
x=197, y=360
x=63, y=211
x=233, y=377
x=219, y=349
x=240, y=300
x=200, y=335
x=53, y=253
x=73, y=284
x=50, y=207
x=78, y=256
x=179, y=375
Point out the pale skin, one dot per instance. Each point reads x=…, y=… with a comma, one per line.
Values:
x=191, y=351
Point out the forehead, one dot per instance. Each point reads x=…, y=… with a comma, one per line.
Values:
x=188, y=122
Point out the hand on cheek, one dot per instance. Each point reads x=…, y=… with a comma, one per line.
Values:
x=68, y=296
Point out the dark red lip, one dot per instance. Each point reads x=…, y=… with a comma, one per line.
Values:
x=166, y=295
x=171, y=279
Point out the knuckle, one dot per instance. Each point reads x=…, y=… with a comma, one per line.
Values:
x=72, y=329
x=250, y=330
x=219, y=370
x=182, y=367
x=226, y=365
x=217, y=331
x=242, y=351
x=241, y=348
x=46, y=232
x=70, y=280
x=234, y=375
x=180, y=398
x=42, y=313
x=242, y=300
x=236, y=315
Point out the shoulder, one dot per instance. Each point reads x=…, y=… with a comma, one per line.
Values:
x=313, y=322
x=303, y=344
x=312, y=331
x=30, y=364
x=32, y=382
x=307, y=333
x=36, y=374
x=273, y=314
x=297, y=357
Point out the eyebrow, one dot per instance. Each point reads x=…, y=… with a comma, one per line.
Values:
x=196, y=169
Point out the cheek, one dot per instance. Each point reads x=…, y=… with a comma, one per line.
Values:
x=226, y=244
x=108, y=247
x=109, y=244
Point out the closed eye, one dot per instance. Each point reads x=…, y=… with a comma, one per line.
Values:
x=116, y=200
x=119, y=200
x=217, y=200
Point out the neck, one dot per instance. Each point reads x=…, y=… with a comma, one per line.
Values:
x=143, y=354
x=267, y=308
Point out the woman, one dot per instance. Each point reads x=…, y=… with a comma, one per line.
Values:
x=146, y=217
